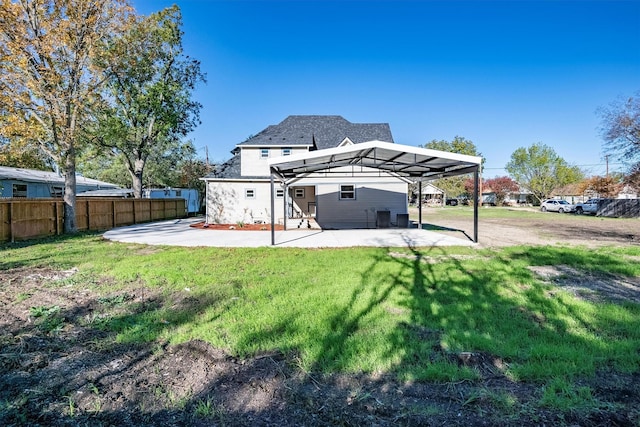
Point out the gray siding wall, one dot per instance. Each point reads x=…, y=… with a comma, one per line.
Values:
x=360, y=213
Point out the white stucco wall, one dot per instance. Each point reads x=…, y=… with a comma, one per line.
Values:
x=227, y=202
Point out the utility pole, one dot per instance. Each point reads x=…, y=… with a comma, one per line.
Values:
x=606, y=157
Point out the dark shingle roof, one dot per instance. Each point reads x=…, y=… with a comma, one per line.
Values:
x=316, y=132
x=229, y=169
x=319, y=132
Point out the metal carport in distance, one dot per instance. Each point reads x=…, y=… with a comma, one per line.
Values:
x=405, y=161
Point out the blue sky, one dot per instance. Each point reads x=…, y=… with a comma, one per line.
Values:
x=503, y=74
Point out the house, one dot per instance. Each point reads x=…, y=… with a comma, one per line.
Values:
x=238, y=191
x=431, y=195
x=30, y=183
x=190, y=195
x=342, y=174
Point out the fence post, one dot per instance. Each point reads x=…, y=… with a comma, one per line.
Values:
x=88, y=216
x=55, y=214
x=12, y=232
x=113, y=211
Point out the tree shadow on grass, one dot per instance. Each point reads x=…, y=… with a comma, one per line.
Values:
x=452, y=320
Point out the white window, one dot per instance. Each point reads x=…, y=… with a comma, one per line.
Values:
x=279, y=193
x=249, y=193
x=286, y=151
x=264, y=153
x=298, y=193
x=347, y=192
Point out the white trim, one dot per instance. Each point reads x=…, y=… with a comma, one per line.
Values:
x=273, y=145
x=345, y=142
x=340, y=191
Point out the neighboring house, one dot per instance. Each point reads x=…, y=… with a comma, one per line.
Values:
x=239, y=191
x=430, y=195
x=30, y=183
x=571, y=193
x=190, y=195
x=628, y=193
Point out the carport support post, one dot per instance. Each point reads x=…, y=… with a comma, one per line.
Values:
x=476, y=185
x=420, y=205
x=285, y=200
x=273, y=205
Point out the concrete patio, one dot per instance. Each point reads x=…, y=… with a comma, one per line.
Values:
x=179, y=233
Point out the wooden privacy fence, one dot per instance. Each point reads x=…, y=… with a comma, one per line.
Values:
x=22, y=219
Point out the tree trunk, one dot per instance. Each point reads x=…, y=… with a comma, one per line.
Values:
x=70, y=224
x=136, y=177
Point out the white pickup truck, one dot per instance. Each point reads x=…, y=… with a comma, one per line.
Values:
x=590, y=207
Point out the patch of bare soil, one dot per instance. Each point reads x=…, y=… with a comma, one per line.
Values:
x=550, y=229
x=59, y=368
x=591, y=287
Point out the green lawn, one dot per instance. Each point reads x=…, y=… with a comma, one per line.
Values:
x=400, y=311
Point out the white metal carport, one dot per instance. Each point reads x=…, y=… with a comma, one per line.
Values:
x=404, y=161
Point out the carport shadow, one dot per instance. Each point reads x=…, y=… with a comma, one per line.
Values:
x=439, y=228
x=282, y=238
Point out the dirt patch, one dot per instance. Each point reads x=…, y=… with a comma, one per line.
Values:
x=59, y=367
x=592, y=287
x=544, y=228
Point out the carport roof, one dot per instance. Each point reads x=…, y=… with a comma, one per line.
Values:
x=403, y=160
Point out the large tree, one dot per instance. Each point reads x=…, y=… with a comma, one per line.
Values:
x=620, y=129
x=48, y=83
x=454, y=186
x=601, y=186
x=149, y=92
x=540, y=169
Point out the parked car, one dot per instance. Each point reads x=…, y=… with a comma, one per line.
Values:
x=554, y=205
x=590, y=207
